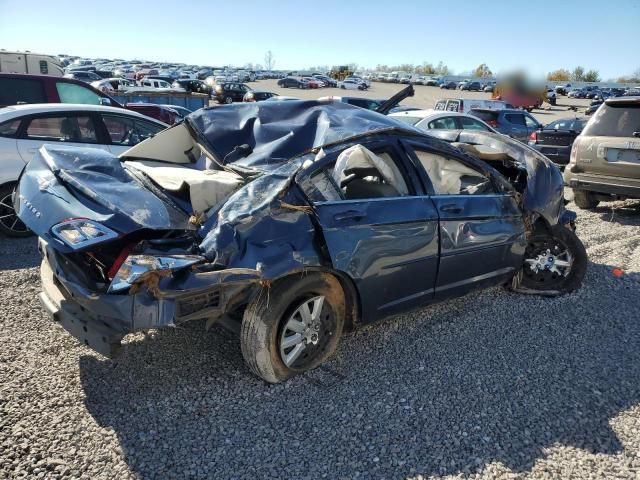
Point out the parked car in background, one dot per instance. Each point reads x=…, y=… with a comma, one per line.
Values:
x=471, y=86
x=437, y=119
x=514, y=123
x=576, y=93
x=464, y=105
x=112, y=85
x=192, y=85
x=593, y=107
x=292, y=82
x=551, y=96
x=449, y=85
x=562, y=89
x=288, y=254
x=25, y=128
x=313, y=82
x=556, y=139
x=328, y=81
x=181, y=111
x=258, y=96
x=83, y=76
x=351, y=85
x=230, y=92
x=161, y=113
x=605, y=158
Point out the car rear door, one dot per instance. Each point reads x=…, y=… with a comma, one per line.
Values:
x=387, y=245
x=482, y=234
x=69, y=128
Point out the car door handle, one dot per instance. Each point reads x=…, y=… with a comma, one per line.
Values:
x=349, y=215
x=451, y=208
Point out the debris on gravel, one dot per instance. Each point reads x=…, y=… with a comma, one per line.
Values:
x=491, y=385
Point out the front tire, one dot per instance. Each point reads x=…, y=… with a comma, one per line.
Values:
x=584, y=199
x=555, y=262
x=10, y=224
x=293, y=326
x=228, y=100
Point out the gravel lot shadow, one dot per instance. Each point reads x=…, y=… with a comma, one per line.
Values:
x=17, y=253
x=627, y=213
x=496, y=377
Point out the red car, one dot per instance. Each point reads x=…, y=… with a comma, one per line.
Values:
x=16, y=88
x=311, y=82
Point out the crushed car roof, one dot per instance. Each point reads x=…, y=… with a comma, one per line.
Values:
x=278, y=131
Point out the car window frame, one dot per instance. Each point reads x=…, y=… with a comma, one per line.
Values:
x=507, y=116
x=14, y=135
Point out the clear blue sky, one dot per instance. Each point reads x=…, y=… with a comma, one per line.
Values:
x=538, y=35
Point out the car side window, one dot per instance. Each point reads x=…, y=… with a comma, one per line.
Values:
x=449, y=176
x=72, y=93
x=78, y=129
x=444, y=122
x=358, y=173
x=128, y=131
x=9, y=128
x=471, y=124
x=531, y=122
x=515, y=118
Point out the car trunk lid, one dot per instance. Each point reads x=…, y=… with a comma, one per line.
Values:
x=63, y=183
x=555, y=138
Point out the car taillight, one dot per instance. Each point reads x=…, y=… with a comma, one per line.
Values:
x=113, y=270
x=533, y=137
x=493, y=123
x=79, y=233
x=574, y=152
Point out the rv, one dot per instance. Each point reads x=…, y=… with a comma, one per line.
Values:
x=32, y=63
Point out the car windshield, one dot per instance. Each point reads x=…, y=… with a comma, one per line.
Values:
x=615, y=120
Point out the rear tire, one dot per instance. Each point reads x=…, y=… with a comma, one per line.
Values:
x=277, y=311
x=585, y=200
x=10, y=224
x=228, y=100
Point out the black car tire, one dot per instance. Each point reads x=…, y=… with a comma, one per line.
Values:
x=228, y=100
x=264, y=320
x=585, y=200
x=10, y=224
x=564, y=240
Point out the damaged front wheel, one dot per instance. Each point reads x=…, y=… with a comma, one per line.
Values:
x=555, y=262
x=293, y=326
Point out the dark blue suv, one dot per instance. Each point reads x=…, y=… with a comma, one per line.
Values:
x=515, y=123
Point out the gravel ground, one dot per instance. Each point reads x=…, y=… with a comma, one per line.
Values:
x=491, y=385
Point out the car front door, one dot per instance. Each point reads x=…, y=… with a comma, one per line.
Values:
x=516, y=126
x=388, y=245
x=481, y=229
x=74, y=129
x=532, y=123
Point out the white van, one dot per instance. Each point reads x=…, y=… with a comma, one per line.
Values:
x=32, y=63
x=463, y=105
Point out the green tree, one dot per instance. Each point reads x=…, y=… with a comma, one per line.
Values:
x=427, y=68
x=482, y=71
x=442, y=69
x=591, y=76
x=560, y=75
x=578, y=74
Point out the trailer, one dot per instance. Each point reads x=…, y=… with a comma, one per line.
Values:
x=32, y=63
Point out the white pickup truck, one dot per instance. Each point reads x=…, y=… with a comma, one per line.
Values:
x=152, y=84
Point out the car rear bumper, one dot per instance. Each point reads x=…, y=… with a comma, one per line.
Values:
x=100, y=320
x=557, y=154
x=608, y=185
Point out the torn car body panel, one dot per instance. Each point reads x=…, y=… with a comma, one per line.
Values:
x=230, y=194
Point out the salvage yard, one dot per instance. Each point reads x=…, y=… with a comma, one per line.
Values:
x=494, y=383
x=425, y=97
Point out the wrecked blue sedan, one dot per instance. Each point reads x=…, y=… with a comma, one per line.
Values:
x=290, y=222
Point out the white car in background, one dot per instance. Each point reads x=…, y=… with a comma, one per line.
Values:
x=437, y=119
x=350, y=84
x=25, y=128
